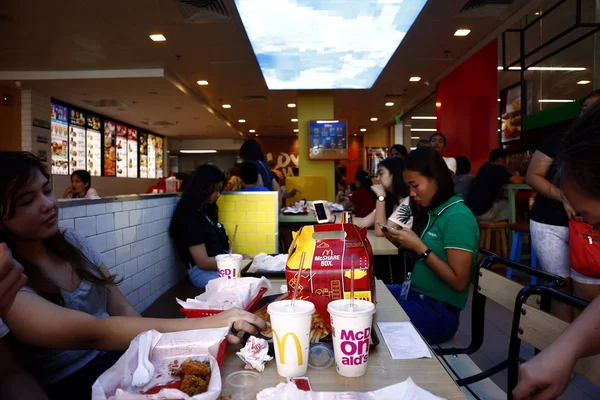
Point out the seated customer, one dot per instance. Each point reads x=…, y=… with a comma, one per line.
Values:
x=463, y=178
x=483, y=198
x=81, y=186
x=446, y=245
x=71, y=312
x=251, y=180
x=363, y=199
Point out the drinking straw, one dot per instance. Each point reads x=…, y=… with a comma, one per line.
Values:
x=352, y=283
x=298, y=279
x=233, y=239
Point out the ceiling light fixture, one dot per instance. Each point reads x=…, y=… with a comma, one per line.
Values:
x=158, y=37
x=438, y=104
x=373, y=119
x=327, y=121
x=422, y=117
x=241, y=121
x=537, y=13
x=294, y=119
x=202, y=83
x=226, y=106
x=414, y=79
x=291, y=105
x=197, y=151
x=499, y=100
x=423, y=129
x=462, y=32
x=555, y=101
x=584, y=82
x=256, y=135
x=415, y=137
x=295, y=130
x=251, y=131
x=389, y=104
x=363, y=129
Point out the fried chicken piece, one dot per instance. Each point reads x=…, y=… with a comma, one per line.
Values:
x=199, y=369
x=192, y=385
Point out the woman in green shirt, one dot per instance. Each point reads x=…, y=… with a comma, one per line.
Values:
x=446, y=247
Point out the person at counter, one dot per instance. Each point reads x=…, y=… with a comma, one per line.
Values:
x=363, y=198
x=81, y=186
x=251, y=180
x=71, y=312
x=446, y=242
x=195, y=227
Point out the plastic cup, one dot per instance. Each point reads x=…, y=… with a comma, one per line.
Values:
x=291, y=335
x=241, y=385
x=229, y=265
x=351, y=329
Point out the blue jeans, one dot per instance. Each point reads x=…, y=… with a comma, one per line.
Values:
x=435, y=322
x=200, y=277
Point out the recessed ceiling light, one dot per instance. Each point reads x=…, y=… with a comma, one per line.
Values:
x=499, y=100
x=226, y=105
x=363, y=129
x=389, y=104
x=202, y=83
x=415, y=137
x=251, y=131
x=422, y=117
x=241, y=121
x=423, y=129
x=373, y=119
x=291, y=105
x=415, y=79
x=583, y=82
x=256, y=134
x=438, y=104
x=294, y=119
x=537, y=13
x=462, y=32
x=197, y=151
x=158, y=37
x=295, y=130
x=556, y=101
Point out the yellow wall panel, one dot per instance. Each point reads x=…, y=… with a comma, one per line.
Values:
x=244, y=206
x=256, y=217
x=249, y=228
x=271, y=217
x=266, y=228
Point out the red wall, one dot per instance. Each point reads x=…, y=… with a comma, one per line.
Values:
x=467, y=107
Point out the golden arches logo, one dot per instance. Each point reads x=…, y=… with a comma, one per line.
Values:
x=281, y=346
x=327, y=253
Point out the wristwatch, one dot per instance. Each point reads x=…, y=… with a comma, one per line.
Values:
x=425, y=254
x=380, y=198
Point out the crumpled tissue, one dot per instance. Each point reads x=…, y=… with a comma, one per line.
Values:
x=265, y=262
x=254, y=353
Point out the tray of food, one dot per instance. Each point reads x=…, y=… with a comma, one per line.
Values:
x=267, y=265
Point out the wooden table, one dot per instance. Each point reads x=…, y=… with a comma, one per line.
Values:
x=382, y=369
x=381, y=246
x=512, y=190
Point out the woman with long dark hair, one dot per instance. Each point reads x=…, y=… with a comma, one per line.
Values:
x=446, y=247
x=71, y=310
x=195, y=227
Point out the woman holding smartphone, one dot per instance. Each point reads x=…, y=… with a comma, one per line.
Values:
x=446, y=248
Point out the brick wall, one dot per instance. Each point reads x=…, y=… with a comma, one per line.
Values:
x=132, y=236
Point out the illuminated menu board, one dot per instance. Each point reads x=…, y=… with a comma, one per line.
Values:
x=110, y=135
x=94, y=146
x=151, y=156
x=159, y=157
x=121, y=151
x=60, y=139
x=77, y=148
x=132, y=153
x=143, y=155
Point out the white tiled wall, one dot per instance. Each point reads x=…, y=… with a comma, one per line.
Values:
x=133, y=238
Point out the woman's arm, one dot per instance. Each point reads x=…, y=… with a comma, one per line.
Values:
x=365, y=222
x=536, y=177
x=201, y=258
x=118, y=306
x=15, y=381
x=62, y=328
x=380, y=215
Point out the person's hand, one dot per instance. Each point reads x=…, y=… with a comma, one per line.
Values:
x=241, y=320
x=406, y=238
x=11, y=279
x=378, y=189
x=545, y=376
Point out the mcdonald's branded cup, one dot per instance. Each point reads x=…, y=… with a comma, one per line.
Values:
x=351, y=329
x=291, y=335
x=229, y=265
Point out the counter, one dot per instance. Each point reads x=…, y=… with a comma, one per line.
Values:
x=131, y=233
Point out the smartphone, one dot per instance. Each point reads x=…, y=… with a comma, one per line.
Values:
x=321, y=212
x=387, y=227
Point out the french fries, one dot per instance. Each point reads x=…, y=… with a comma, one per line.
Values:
x=318, y=329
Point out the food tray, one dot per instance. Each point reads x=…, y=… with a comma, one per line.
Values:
x=260, y=273
x=251, y=307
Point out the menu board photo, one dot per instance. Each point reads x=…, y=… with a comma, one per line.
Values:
x=60, y=139
x=77, y=148
x=94, y=146
x=511, y=114
x=121, y=151
x=132, y=153
x=143, y=155
x=110, y=166
x=151, y=156
x=327, y=140
x=159, y=157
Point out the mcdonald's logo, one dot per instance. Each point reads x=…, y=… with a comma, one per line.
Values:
x=281, y=347
x=323, y=245
x=327, y=252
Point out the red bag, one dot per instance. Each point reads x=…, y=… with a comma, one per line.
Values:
x=160, y=187
x=584, y=249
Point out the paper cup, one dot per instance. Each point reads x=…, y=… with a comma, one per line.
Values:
x=291, y=335
x=229, y=265
x=351, y=335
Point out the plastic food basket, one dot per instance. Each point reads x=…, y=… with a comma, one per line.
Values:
x=251, y=307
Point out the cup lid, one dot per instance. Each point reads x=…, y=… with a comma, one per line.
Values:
x=320, y=356
x=283, y=307
x=342, y=307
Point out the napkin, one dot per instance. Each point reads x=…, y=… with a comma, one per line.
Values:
x=406, y=390
x=225, y=293
x=265, y=262
x=201, y=344
x=254, y=353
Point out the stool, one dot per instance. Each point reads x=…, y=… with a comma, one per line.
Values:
x=498, y=230
x=521, y=229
